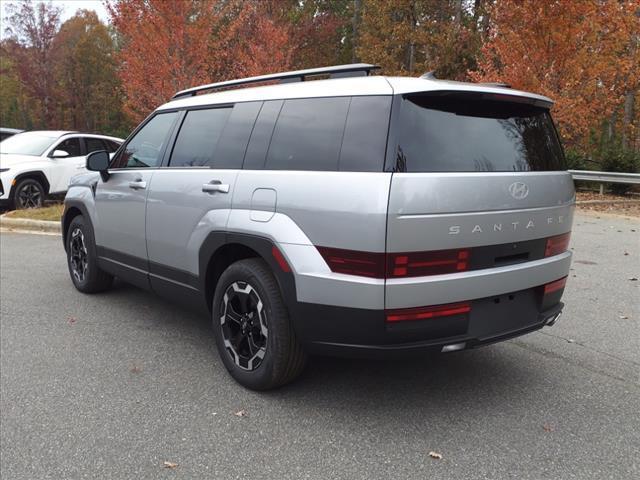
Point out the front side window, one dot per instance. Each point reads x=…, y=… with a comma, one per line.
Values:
x=198, y=138
x=71, y=146
x=470, y=133
x=147, y=145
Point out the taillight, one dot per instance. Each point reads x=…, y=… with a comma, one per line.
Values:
x=555, y=285
x=353, y=262
x=424, y=313
x=419, y=264
x=556, y=245
x=395, y=265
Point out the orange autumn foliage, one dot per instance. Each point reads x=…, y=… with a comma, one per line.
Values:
x=579, y=53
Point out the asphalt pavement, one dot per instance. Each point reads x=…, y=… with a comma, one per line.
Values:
x=111, y=386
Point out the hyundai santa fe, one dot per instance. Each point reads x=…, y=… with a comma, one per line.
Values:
x=355, y=215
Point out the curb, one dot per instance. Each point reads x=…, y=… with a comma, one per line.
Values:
x=30, y=225
x=608, y=202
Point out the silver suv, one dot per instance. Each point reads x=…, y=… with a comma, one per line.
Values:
x=351, y=215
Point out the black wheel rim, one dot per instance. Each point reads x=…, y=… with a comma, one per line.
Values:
x=244, y=325
x=79, y=258
x=29, y=196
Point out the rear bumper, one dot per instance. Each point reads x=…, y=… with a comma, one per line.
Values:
x=364, y=333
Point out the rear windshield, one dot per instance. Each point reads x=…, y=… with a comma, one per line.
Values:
x=469, y=133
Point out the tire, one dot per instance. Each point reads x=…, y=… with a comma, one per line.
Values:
x=268, y=354
x=82, y=258
x=28, y=193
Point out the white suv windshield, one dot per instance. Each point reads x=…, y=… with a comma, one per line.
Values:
x=34, y=144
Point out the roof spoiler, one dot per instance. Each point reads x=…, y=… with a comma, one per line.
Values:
x=431, y=75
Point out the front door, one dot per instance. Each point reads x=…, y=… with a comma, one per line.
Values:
x=121, y=199
x=63, y=168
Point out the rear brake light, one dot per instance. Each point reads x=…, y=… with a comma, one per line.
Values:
x=352, y=262
x=424, y=313
x=555, y=286
x=395, y=265
x=557, y=244
x=419, y=264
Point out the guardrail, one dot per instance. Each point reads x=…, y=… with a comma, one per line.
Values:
x=605, y=177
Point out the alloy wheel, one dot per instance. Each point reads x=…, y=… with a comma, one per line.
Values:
x=29, y=196
x=79, y=256
x=244, y=325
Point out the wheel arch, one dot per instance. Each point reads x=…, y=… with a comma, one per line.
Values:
x=220, y=250
x=35, y=175
x=72, y=210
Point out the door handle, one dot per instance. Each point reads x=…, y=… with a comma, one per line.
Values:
x=215, y=186
x=138, y=185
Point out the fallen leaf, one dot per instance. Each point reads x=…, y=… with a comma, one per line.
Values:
x=624, y=317
x=548, y=428
x=633, y=279
x=170, y=465
x=71, y=320
x=437, y=456
x=241, y=413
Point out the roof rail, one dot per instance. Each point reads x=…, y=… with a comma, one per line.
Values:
x=351, y=70
x=496, y=84
x=430, y=75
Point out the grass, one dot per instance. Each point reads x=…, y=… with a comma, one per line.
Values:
x=51, y=213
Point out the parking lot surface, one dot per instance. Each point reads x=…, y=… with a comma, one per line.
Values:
x=111, y=386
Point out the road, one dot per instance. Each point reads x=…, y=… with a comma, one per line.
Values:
x=111, y=386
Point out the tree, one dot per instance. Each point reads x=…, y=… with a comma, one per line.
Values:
x=577, y=53
x=88, y=89
x=415, y=36
x=33, y=27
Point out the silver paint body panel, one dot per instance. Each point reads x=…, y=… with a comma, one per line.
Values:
x=372, y=212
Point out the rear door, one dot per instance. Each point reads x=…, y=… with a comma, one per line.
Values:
x=468, y=173
x=191, y=195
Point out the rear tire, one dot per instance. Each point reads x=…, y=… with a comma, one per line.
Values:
x=82, y=259
x=255, y=338
x=28, y=193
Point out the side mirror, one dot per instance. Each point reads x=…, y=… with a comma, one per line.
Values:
x=98, y=161
x=59, y=154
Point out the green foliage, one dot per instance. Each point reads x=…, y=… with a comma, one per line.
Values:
x=612, y=157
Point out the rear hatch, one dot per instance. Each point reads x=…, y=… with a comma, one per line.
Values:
x=481, y=173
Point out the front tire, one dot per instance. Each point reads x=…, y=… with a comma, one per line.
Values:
x=255, y=338
x=82, y=259
x=28, y=193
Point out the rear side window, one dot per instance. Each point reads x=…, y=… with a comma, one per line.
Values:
x=468, y=133
x=365, y=134
x=111, y=146
x=308, y=134
x=235, y=136
x=261, y=135
x=198, y=138
x=94, y=144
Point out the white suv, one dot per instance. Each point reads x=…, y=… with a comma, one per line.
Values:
x=40, y=163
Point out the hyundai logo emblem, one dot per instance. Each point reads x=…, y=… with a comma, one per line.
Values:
x=519, y=190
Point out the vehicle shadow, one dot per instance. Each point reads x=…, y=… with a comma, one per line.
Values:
x=477, y=379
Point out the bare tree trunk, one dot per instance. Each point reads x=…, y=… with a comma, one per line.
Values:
x=355, y=24
x=627, y=118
